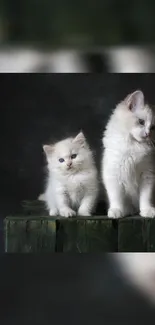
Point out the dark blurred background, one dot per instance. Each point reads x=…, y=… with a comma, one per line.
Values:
x=69, y=289
x=67, y=23
x=77, y=36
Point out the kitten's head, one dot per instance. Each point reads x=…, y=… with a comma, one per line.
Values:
x=139, y=117
x=68, y=156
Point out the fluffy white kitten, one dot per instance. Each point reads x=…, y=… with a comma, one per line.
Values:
x=128, y=165
x=72, y=184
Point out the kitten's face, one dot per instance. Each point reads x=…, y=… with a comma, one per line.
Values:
x=141, y=121
x=68, y=156
x=143, y=129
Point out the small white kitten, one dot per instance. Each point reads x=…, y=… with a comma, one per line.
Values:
x=128, y=165
x=72, y=184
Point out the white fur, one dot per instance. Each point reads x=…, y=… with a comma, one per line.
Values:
x=41, y=197
x=139, y=269
x=128, y=159
x=75, y=189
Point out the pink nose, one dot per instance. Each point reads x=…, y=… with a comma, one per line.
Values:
x=69, y=164
x=147, y=134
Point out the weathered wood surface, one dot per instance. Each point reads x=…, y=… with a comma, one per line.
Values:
x=28, y=236
x=34, y=231
x=136, y=234
x=86, y=236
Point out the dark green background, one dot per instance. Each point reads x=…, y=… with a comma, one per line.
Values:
x=78, y=23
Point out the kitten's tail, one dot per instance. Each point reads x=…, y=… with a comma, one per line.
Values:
x=41, y=197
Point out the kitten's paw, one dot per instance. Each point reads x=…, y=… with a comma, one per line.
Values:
x=84, y=213
x=41, y=197
x=115, y=213
x=148, y=212
x=53, y=212
x=67, y=212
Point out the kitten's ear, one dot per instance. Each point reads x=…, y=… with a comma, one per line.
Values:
x=80, y=138
x=135, y=100
x=48, y=149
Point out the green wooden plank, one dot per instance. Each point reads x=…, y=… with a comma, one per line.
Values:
x=35, y=231
x=28, y=236
x=133, y=234
x=81, y=236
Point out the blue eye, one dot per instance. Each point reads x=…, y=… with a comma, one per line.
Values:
x=73, y=156
x=61, y=160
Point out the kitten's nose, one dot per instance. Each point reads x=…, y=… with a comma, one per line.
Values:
x=69, y=164
x=147, y=134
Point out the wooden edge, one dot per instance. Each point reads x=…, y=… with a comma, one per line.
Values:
x=36, y=218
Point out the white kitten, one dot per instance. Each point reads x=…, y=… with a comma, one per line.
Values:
x=128, y=165
x=72, y=184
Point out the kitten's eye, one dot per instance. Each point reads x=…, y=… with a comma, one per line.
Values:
x=152, y=127
x=141, y=122
x=73, y=156
x=61, y=160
